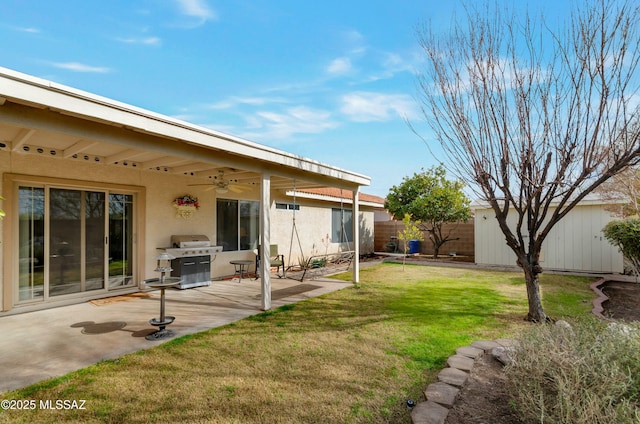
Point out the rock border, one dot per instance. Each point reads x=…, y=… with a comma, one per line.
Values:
x=598, y=309
x=440, y=396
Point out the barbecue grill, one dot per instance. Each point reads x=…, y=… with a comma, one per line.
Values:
x=192, y=263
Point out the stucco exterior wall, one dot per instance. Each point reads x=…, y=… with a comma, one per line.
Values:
x=159, y=215
x=157, y=220
x=576, y=243
x=312, y=235
x=156, y=223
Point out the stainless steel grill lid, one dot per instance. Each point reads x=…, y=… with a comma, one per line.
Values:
x=182, y=241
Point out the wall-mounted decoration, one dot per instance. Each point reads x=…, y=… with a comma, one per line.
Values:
x=185, y=206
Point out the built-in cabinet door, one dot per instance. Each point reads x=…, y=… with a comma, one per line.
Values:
x=189, y=270
x=204, y=269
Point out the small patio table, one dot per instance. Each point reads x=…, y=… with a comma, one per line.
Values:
x=241, y=267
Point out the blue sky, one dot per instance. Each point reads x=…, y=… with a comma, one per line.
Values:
x=333, y=80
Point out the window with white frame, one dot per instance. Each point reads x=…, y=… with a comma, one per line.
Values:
x=341, y=225
x=237, y=224
x=287, y=206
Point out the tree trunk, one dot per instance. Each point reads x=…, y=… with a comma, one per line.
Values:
x=435, y=234
x=532, y=280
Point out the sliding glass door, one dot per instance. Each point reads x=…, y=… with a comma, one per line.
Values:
x=120, y=240
x=65, y=229
x=31, y=243
x=73, y=241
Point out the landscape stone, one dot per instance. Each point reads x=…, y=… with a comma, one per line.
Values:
x=453, y=376
x=471, y=352
x=622, y=329
x=441, y=393
x=502, y=354
x=485, y=345
x=563, y=324
x=461, y=362
x=507, y=342
x=429, y=413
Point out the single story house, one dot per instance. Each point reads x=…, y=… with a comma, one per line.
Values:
x=93, y=190
x=576, y=243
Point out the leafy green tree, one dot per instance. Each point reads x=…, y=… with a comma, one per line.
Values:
x=411, y=231
x=625, y=234
x=432, y=199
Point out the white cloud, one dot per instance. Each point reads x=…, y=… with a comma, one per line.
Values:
x=365, y=106
x=30, y=30
x=355, y=41
x=395, y=63
x=81, y=67
x=634, y=101
x=197, y=9
x=390, y=65
x=297, y=120
x=339, y=66
x=234, y=101
x=150, y=41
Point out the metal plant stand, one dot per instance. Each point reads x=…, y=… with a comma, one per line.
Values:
x=162, y=283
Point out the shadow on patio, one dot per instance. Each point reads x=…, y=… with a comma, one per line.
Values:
x=43, y=344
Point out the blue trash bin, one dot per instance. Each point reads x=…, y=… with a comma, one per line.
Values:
x=414, y=246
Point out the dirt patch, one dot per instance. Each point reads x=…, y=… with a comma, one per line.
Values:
x=624, y=300
x=440, y=259
x=485, y=399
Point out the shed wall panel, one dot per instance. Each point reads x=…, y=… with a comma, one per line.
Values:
x=576, y=243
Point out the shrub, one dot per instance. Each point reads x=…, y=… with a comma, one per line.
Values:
x=625, y=234
x=586, y=373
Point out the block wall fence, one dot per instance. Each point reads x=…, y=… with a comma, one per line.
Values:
x=463, y=231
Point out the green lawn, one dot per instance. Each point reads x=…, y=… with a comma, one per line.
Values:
x=352, y=356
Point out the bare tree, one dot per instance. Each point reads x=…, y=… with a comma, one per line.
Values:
x=623, y=190
x=533, y=118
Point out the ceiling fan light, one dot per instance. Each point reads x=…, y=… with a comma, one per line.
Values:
x=221, y=190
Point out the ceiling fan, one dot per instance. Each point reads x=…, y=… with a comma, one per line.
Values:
x=223, y=185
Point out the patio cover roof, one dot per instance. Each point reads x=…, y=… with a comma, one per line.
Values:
x=45, y=118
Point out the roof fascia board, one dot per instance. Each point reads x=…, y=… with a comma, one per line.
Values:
x=584, y=202
x=325, y=198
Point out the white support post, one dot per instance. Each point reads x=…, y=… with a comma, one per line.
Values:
x=265, y=240
x=356, y=236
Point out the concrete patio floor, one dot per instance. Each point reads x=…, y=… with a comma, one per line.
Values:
x=49, y=343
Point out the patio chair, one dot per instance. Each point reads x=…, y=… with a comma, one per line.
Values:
x=275, y=260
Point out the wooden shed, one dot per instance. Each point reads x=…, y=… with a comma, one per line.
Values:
x=576, y=243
